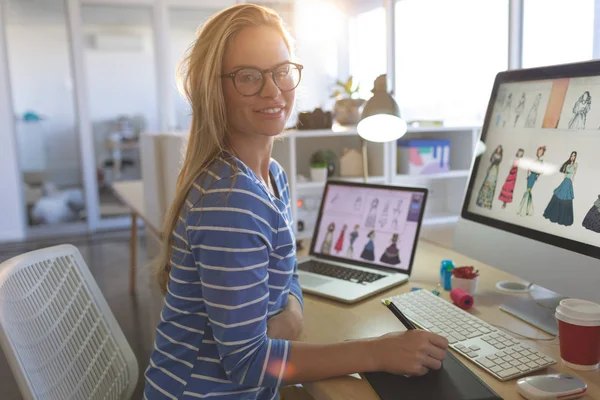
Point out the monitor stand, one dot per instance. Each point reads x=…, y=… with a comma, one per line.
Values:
x=536, y=309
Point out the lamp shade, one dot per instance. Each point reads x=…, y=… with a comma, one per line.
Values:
x=381, y=120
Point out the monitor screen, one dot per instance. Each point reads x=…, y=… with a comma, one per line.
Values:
x=540, y=174
x=376, y=225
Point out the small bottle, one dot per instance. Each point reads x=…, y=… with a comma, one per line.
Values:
x=446, y=273
x=443, y=270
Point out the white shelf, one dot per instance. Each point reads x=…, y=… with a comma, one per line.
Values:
x=460, y=173
x=336, y=130
x=296, y=146
x=429, y=129
x=317, y=185
x=439, y=218
x=350, y=130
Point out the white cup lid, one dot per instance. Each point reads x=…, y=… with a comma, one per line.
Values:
x=578, y=312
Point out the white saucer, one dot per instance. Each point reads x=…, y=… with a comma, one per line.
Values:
x=515, y=287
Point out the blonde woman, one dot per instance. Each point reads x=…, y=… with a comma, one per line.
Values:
x=233, y=308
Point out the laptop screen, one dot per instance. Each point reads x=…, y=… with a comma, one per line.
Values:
x=369, y=224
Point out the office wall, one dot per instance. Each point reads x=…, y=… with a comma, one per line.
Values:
x=120, y=72
x=12, y=225
x=38, y=59
x=597, y=29
x=123, y=81
x=119, y=82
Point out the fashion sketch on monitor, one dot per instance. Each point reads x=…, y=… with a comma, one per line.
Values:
x=368, y=252
x=500, y=99
x=326, y=245
x=526, y=206
x=372, y=215
x=391, y=254
x=580, y=109
x=506, y=195
x=337, y=195
x=506, y=111
x=383, y=218
x=592, y=218
x=488, y=187
x=533, y=112
x=560, y=207
x=353, y=236
x=358, y=203
x=519, y=109
x=340, y=242
x=396, y=214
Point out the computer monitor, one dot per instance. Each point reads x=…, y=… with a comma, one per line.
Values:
x=532, y=204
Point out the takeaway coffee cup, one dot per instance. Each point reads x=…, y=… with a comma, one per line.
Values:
x=579, y=333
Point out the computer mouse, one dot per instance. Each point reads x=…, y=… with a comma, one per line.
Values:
x=552, y=386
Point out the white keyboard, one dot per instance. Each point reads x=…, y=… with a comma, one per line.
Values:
x=490, y=348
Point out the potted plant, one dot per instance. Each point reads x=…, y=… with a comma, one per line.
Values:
x=322, y=165
x=348, y=107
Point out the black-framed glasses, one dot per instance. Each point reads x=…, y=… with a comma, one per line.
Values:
x=250, y=81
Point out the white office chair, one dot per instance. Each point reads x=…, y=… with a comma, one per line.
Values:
x=57, y=331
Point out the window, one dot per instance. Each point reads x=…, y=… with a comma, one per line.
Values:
x=367, y=48
x=447, y=56
x=119, y=62
x=557, y=32
x=318, y=31
x=46, y=131
x=184, y=25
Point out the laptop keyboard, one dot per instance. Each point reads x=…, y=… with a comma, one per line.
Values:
x=335, y=271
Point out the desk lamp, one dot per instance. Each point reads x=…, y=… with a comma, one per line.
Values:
x=380, y=120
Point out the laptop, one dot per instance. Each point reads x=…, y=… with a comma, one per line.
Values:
x=364, y=240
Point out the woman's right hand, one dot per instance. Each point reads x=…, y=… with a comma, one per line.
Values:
x=413, y=352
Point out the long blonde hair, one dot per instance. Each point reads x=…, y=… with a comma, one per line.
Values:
x=200, y=81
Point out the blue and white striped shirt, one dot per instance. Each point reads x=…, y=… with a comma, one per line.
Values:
x=233, y=266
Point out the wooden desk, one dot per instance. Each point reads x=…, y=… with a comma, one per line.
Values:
x=327, y=321
x=131, y=193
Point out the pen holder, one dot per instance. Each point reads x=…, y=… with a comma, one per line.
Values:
x=468, y=285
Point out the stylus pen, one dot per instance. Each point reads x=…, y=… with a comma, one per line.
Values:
x=405, y=321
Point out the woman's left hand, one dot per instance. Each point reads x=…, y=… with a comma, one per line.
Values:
x=288, y=324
